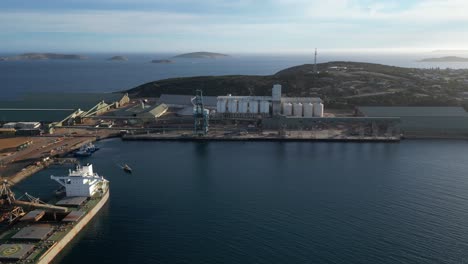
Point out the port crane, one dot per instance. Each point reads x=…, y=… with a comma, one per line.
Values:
x=12, y=208
x=200, y=115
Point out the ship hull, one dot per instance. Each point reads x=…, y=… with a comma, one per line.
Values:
x=48, y=256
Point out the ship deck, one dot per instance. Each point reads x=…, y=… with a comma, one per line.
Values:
x=28, y=241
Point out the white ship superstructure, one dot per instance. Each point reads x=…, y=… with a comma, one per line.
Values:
x=82, y=182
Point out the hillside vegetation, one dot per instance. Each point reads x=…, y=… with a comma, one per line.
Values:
x=339, y=84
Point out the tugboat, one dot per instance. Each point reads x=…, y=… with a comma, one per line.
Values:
x=90, y=147
x=86, y=150
x=127, y=168
x=83, y=152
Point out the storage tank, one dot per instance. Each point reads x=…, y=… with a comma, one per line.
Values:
x=276, y=92
x=297, y=109
x=264, y=107
x=232, y=106
x=308, y=110
x=318, y=110
x=287, y=109
x=253, y=107
x=243, y=106
x=221, y=106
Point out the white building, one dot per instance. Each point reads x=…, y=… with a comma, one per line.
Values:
x=270, y=105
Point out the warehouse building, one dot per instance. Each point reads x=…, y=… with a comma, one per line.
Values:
x=152, y=113
x=143, y=111
x=424, y=121
x=183, y=101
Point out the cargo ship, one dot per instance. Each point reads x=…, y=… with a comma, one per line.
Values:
x=34, y=231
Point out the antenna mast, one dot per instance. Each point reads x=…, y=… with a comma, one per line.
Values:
x=315, y=62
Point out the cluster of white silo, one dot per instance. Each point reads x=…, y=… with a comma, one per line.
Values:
x=306, y=109
x=273, y=105
x=242, y=105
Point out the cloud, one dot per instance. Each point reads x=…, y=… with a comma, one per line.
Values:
x=281, y=24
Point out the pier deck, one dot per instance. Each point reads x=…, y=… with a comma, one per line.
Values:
x=302, y=136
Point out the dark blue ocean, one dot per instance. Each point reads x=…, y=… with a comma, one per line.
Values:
x=257, y=202
x=275, y=203
x=96, y=74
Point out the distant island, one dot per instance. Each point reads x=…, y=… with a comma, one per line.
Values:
x=118, y=58
x=201, y=55
x=450, y=51
x=445, y=59
x=44, y=56
x=161, y=61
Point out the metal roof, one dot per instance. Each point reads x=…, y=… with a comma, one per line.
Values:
x=34, y=232
x=158, y=110
x=398, y=111
x=441, y=124
x=424, y=120
x=73, y=216
x=72, y=201
x=184, y=100
x=33, y=216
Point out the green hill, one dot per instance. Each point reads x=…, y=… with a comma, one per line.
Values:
x=339, y=84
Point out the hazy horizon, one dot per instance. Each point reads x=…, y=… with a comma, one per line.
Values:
x=413, y=52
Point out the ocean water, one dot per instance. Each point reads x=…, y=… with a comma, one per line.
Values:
x=275, y=203
x=96, y=74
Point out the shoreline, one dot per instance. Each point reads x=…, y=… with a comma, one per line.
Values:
x=41, y=165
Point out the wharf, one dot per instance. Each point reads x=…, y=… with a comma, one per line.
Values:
x=253, y=138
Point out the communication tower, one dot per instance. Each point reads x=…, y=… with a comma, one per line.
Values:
x=315, y=62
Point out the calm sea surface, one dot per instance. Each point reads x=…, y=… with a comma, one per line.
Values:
x=275, y=203
x=258, y=202
x=96, y=74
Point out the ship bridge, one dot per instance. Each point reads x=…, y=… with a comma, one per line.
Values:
x=80, y=182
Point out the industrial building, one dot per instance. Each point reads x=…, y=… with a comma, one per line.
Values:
x=269, y=106
x=182, y=101
x=153, y=112
x=424, y=121
x=142, y=111
x=57, y=109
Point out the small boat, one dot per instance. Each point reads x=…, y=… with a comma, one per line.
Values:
x=127, y=168
x=82, y=153
x=90, y=147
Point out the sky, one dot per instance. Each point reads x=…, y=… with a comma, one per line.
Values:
x=235, y=26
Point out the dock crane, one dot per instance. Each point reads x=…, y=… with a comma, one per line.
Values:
x=12, y=208
x=200, y=115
